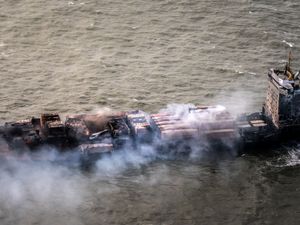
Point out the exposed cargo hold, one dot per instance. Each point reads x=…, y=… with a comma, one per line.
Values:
x=94, y=135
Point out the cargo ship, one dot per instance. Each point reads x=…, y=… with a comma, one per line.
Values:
x=169, y=131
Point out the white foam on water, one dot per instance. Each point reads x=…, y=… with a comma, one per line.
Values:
x=290, y=44
x=290, y=159
x=293, y=158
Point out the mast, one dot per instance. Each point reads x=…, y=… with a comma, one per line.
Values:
x=288, y=69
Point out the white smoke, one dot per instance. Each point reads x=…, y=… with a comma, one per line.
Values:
x=143, y=154
x=48, y=182
x=35, y=192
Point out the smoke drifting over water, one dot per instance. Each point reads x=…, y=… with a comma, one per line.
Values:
x=47, y=191
x=57, y=192
x=41, y=193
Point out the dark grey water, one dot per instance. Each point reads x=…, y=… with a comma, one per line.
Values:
x=81, y=56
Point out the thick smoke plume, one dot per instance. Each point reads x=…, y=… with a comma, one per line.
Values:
x=48, y=190
x=146, y=153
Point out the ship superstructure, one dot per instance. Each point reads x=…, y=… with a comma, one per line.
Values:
x=282, y=104
x=279, y=119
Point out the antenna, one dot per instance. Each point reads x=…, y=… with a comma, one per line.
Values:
x=288, y=70
x=290, y=59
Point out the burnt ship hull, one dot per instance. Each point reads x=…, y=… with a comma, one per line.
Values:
x=172, y=131
x=92, y=136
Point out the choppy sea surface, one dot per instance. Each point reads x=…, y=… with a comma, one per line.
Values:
x=83, y=56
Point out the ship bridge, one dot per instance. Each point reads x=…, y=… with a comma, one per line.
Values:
x=282, y=103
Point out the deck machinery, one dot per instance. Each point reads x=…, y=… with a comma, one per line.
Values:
x=94, y=135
